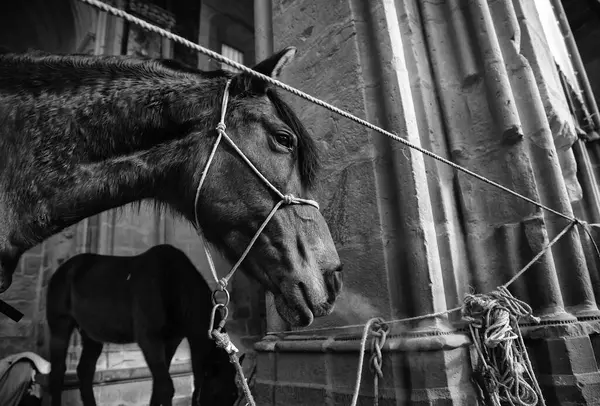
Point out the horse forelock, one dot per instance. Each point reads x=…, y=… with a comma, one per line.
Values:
x=307, y=155
x=246, y=86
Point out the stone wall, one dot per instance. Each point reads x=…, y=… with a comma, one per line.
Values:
x=476, y=82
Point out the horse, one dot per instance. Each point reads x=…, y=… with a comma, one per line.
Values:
x=154, y=299
x=83, y=134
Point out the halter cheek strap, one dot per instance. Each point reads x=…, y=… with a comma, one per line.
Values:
x=286, y=199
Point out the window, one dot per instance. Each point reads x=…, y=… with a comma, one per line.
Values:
x=233, y=54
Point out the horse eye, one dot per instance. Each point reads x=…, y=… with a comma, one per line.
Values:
x=285, y=139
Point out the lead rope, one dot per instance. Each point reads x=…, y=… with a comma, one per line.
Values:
x=222, y=339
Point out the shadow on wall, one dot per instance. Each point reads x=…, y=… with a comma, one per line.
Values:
x=48, y=25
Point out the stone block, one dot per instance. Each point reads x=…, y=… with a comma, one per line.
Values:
x=299, y=395
x=342, y=399
x=564, y=355
x=266, y=373
x=31, y=264
x=23, y=289
x=302, y=368
x=566, y=369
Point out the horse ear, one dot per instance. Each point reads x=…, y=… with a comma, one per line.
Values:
x=242, y=358
x=274, y=65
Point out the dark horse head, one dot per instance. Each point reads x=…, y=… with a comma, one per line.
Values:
x=84, y=134
x=220, y=386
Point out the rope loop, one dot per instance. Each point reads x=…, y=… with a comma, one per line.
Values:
x=220, y=289
x=213, y=313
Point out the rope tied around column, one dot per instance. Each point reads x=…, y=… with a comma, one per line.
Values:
x=504, y=374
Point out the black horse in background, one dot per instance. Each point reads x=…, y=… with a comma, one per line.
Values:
x=154, y=299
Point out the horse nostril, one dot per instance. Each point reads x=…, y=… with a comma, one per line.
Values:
x=335, y=280
x=338, y=281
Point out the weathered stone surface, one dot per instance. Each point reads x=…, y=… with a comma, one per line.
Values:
x=306, y=368
x=485, y=93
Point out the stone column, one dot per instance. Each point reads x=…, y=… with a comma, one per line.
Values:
x=114, y=32
x=206, y=15
x=263, y=40
x=263, y=29
x=544, y=154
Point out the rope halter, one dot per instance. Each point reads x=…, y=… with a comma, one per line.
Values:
x=284, y=199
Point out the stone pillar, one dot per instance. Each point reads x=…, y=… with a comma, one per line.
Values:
x=206, y=15
x=377, y=198
x=115, y=28
x=263, y=29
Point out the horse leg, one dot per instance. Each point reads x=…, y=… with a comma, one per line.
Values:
x=162, y=385
x=60, y=334
x=171, y=346
x=87, y=368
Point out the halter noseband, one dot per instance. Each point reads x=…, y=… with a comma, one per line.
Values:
x=284, y=199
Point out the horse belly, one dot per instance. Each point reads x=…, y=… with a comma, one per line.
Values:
x=106, y=323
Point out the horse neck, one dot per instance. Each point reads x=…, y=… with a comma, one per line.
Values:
x=118, y=131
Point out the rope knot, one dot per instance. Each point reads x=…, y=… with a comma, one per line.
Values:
x=379, y=332
x=289, y=199
x=223, y=341
x=221, y=127
x=222, y=284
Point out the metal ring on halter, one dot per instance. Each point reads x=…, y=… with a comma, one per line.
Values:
x=214, y=297
x=213, y=313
